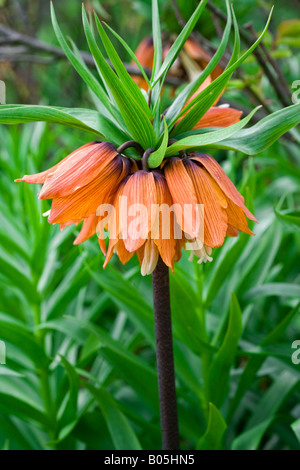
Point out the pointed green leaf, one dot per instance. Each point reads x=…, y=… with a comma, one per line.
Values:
x=202, y=102
x=254, y=363
x=157, y=42
x=203, y=140
x=263, y=134
x=216, y=426
x=121, y=70
x=250, y=440
x=224, y=359
x=135, y=118
x=87, y=76
x=177, y=105
x=122, y=434
x=179, y=43
x=131, y=368
x=76, y=118
x=70, y=410
x=284, y=289
x=157, y=157
x=130, y=52
x=274, y=398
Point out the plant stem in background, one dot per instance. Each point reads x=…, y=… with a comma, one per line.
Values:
x=164, y=355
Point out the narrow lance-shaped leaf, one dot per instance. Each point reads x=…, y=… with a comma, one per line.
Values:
x=223, y=361
x=87, y=76
x=178, y=44
x=135, y=119
x=201, y=140
x=263, y=134
x=157, y=157
x=122, y=434
x=70, y=410
x=250, y=440
x=155, y=90
x=76, y=118
x=201, y=103
x=180, y=100
x=117, y=119
x=121, y=70
x=255, y=362
x=216, y=426
x=274, y=398
x=130, y=52
x=290, y=217
x=157, y=42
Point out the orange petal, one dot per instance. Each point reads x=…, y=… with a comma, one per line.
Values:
x=219, y=117
x=67, y=224
x=140, y=254
x=145, y=55
x=88, y=229
x=202, y=87
x=135, y=222
x=236, y=218
x=223, y=181
x=123, y=254
x=40, y=178
x=86, y=200
x=114, y=222
x=231, y=231
x=214, y=201
x=164, y=224
x=102, y=245
x=183, y=196
x=196, y=52
x=83, y=166
x=145, y=52
x=179, y=245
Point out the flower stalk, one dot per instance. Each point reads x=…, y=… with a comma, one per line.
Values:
x=164, y=357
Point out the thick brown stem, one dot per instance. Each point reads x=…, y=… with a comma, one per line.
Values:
x=164, y=355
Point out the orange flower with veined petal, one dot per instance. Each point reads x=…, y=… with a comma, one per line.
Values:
x=149, y=215
x=199, y=179
x=80, y=183
x=96, y=175
x=153, y=232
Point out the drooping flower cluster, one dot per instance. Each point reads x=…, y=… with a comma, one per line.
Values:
x=96, y=177
x=187, y=202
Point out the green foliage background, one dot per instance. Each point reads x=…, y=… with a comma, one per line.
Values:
x=80, y=367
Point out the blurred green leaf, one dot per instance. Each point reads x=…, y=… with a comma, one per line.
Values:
x=212, y=439
x=135, y=118
x=179, y=42
x=224, y=359
x=122, y=434
x=278, y=289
